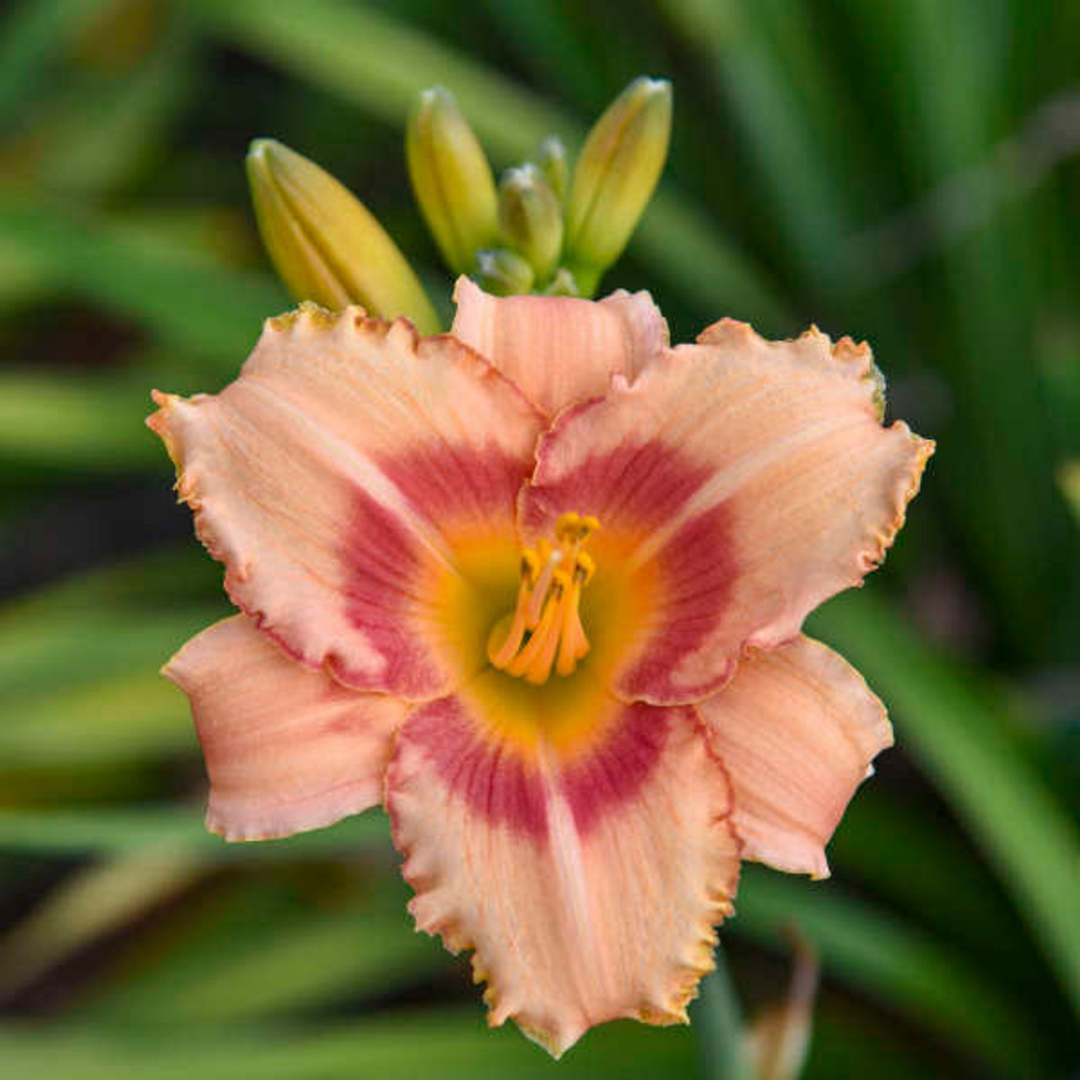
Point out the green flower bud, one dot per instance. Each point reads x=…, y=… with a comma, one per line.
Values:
x=562, y=284
x=551, y=160
x=325, y=245
x=615, y=177
x=531, y=218
x=452, y=180
x=503, y=273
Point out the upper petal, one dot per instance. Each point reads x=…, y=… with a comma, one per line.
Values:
x=796, y=730
x=586, y=873
x=741, y=482
x=286, y=749
x=341, y=477
x=560, y=349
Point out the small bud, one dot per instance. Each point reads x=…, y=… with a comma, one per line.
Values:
x=551, y=160
x=452, y=180
x=503, y=273
x=562, y=284
x=325, y=245
x=530, y=218
x=615, y=177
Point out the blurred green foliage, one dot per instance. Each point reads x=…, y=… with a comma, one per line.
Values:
x=903, y=172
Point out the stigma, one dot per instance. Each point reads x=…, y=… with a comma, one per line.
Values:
x=544, y=631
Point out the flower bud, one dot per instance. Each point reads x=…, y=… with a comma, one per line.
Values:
x=531, y=218
x=452, y=180
x=562, y=284
x=503, y=273
x=325, y=245
x=551, y=160
x=615, y=177
x=778, y=1039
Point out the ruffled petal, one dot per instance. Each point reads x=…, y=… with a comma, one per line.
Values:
x=286, y=749
x=342, y=478
x=558, y=349
x=738, y=484
x=796, y=730
x=586, y=868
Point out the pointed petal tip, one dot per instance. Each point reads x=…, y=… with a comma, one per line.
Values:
x=796, y=730
x=262, y=147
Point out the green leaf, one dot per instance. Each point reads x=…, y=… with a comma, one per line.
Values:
x=120, y=719
x=88, y=424
x=718, y=1025
x=258, y=949
x=894, y=962
x=33, y=35
x=452, y=1044
x=94, y=901
x=946, y=103
x=124, y=830
x=105, y=129
x=208, y=311
x=956, y=729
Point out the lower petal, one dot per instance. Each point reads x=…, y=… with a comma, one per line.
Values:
x=587, y=874
x=287, y=749
x=796, y=730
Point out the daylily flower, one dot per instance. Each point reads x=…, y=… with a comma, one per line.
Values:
x=537, y=586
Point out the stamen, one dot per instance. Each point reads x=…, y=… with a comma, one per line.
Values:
x=543, y=583
x=545, y=629
x=534, y=661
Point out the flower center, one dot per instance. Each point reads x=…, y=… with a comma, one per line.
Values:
x=544, y=631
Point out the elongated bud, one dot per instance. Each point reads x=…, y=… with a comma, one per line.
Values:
x=531, y=218
x=452, y=180
x=325, y=245
x=551, y=160
x=778, y=1039
x=503, y=273
x=615, y=177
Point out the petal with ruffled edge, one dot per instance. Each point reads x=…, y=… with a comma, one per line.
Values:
x=559, y=349
x=586, y=865
x=738, y=483
x=342, y=478
x=796, y=729
x=286, y=749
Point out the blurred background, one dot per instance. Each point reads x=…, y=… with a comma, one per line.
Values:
x=903, y=172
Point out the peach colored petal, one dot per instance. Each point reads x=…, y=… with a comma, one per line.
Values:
x=588, y=881
x=749, y=480
x=796, y=730
x=334, y=479
x=286, y=749
x=559, y=349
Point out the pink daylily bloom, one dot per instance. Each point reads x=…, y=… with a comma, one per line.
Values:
x=537, y=586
